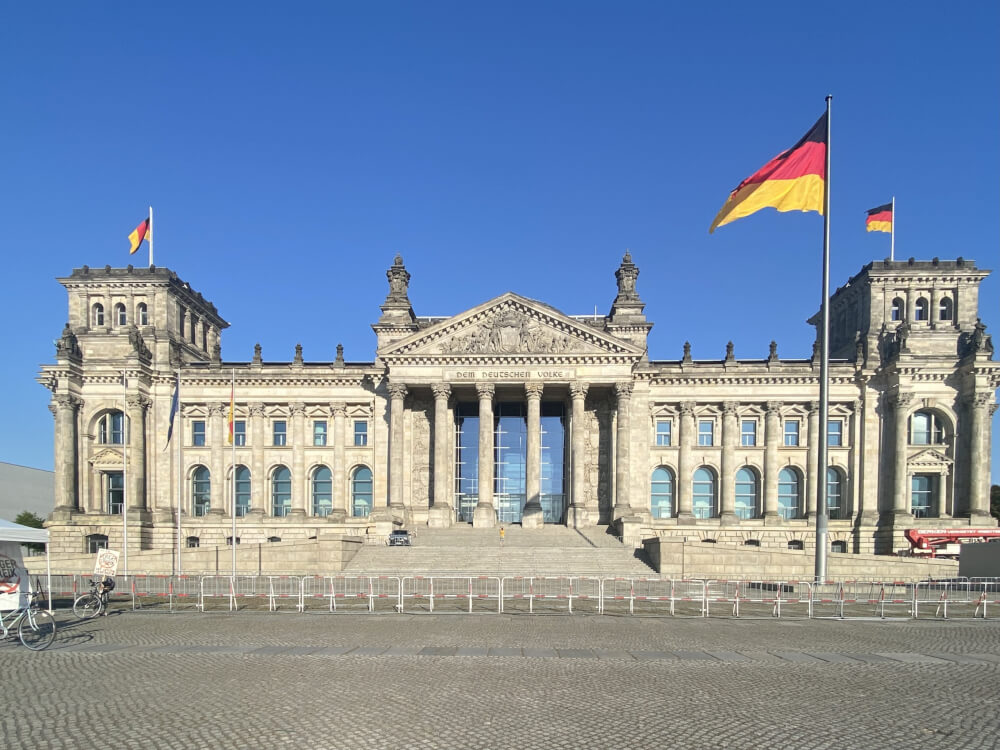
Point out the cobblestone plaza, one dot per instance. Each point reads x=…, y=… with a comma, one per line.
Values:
x=250, y=680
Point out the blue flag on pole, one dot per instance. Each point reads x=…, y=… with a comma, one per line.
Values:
x=173, y=408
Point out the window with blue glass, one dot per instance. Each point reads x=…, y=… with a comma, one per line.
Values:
x=322, y=491
x=748, y=433
x=319, y=432
x=110, y=428
x=361, y=492
x=201, y=491
x=791, y=433
x=922, y=495
x=663, y=432
x=114, y=491
x=703, y=493
x=466, y=460
x=242, y=491
x=835, y=494
x=360, y=433
x=552, y=490
x=281, y=492
x=661, y=494
x=279, y=432
x=835, y=433
x=789, y=493
x=239, y=432
x=706, y=432
x=510, y=439
x=746, y=493
x=926, y=429
x=198, y=432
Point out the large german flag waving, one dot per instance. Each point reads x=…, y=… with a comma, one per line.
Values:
x=791, y=181
x=879, y=219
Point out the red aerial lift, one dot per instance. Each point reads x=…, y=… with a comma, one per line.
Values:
x=946, y=542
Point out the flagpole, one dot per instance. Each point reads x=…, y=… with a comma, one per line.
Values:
x=150, y=236
x=824, y=369
x=232, y=483
x=125, y=438
x=892, y=231
x=180, y=471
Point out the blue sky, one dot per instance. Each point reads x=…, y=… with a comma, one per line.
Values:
x=291, y=150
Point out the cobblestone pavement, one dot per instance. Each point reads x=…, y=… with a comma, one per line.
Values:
x=256, y=680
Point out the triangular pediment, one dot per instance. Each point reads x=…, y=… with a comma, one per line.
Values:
x=107, y=457
x=510, y=326
x=929, y=458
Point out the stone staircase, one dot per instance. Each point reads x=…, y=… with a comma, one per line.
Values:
x=552, y=550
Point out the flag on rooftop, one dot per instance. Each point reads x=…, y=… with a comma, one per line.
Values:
x=879, y=219
x=791, y=181
x=139, y=234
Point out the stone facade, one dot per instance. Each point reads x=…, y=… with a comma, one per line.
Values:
x=515, y=412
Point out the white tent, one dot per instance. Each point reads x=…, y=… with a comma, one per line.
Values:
x=12, y=536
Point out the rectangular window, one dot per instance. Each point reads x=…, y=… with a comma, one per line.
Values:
x=748, y=433
x=706, y=432
x=279, y=432
x=792, y=433
x=360, y=433
x=319, y=433
x=239, y=432
x=662, y=432
x=835, y=433
x=198, y=432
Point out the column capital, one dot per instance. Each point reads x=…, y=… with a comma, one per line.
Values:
x=533, y=391
x=578, y=389
x=441, y=390
x=256, y=409
x=297, y=409
x=773, y=408
x=219, y=409
x=138, y=402
x=812, y=407
x=66, y=401
x=397, y=390
x=980, y=400
x=901, y=400
x=623, y=389
x=686, y=408
x=485, y=390
x=729, y=408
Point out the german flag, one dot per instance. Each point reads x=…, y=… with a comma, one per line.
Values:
x=140, y=233
x=879, y=219
x=791, y=181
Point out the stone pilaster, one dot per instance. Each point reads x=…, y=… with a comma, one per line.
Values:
x=685, y=469
x=442, y=514
x=979, y=425
x=65, y=409
x=532, y=517
x=214, y=436
x=623, y=505
x=772, y=439
x=900, y=483
x=730, y=434
x=485, y=515
x=577, y=516
x=299, y=480
x=340, y=510
x=397, y=397
x=136, y=431
x=259, y=486
x=814, y=474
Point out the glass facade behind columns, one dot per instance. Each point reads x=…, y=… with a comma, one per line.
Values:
x=510, y=448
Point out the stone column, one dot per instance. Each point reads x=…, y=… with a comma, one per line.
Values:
x=814, y=474
x=730, y=435
x=485, y=515
x=397, y=395
x=532, y=518
x=442, y=514
x=215, y=437
x=65, y=409
x=623, y=506
x=299, y=479
x=933, y=313
x=685, y=469
x=136, y=431
x=340, y=495
x=979, y=492
x=900, y=484
x=577, y=516
x=772, y=439
x=259, y=486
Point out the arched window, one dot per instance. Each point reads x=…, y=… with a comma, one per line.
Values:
x=703, y=493
x=193, y=542
x=361, y=492
x=322, y=488
x=96, y=542
x=142, y=314
x=242, y=491
x=661, y=494
x=201, y=490
x=746, y=493
x=838, y=546
x=896, y=313
x=789, y=493
x=281, y=492
x=920, y=309
x=98, y=315
x=922, y=496
x=945, y=310
x=110, y=428
x=926, y=429
x=835, y=494
x=795, y=544
x=120, y=318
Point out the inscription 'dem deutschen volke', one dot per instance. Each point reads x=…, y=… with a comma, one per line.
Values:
x=512, y=374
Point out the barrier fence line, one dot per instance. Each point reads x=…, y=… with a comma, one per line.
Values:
x=846, y=599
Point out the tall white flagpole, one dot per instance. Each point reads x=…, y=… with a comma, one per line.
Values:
x=180, y=469
x=232, y=483
x=824, y=371
x=892, y=231
x=126, y=434
x=150, y=236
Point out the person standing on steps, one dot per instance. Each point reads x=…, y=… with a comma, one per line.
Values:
x=501, y=535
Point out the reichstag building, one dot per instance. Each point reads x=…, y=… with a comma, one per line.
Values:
x=514, y=412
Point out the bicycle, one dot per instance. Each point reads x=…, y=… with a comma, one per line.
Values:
x=95, y=602
x=35, y=626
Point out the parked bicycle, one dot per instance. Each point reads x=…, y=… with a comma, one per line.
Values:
x=35, y=626
x=95, y=601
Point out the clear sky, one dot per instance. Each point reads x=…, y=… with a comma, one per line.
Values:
x=290, y=150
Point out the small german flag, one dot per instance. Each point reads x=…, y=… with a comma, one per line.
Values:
x=879, y=219
x=791, y=181
x=139, y=234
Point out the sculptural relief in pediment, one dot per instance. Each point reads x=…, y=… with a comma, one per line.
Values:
x=108, y=457
x=513, y=331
